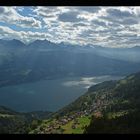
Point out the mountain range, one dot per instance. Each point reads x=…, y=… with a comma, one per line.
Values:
x=42, y=59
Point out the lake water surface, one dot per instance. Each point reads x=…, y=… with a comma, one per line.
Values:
x=48, y=95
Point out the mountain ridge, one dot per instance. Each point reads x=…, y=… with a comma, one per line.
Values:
x=62, y=43
x=41, y=61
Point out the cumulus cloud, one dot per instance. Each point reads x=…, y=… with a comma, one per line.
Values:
x=116, y=13
x=28, y=36
x=69, y=17
x=105, y=26
x=11, y=16
x=93, y=9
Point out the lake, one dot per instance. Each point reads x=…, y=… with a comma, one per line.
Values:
x=48, y=95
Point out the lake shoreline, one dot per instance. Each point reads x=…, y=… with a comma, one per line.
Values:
x=43, y=95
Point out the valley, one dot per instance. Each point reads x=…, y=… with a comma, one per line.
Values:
x=104, y=106
x=109, y=102
x=49, y=95
x=69, y=69
x=67, y=89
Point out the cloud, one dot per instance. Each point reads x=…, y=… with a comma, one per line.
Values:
x=116, y=13
x=105, y=26
x=45, y=11
x=11, y=16
x=69, y=17
x=99, y=23
x=6, y=32
x=91, y=9
x=129, y=21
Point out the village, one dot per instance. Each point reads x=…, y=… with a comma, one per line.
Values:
x=56, y=126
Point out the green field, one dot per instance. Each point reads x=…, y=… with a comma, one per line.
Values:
x=67, y=128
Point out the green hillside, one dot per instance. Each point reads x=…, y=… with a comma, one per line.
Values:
x=12, y=122
x=122, y=114
x=109, y=107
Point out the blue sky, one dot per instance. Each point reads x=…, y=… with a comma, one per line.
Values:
x=105, y=26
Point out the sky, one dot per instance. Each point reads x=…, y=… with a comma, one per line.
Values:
x=104, y=26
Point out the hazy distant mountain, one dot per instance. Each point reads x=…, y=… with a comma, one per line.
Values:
x=11, y=43
x=43, y=59
x=126, y=54
x=42, y=44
